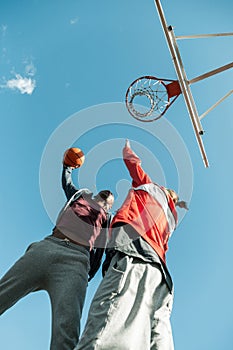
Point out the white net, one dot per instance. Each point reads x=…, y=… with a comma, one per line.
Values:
x=147, y=98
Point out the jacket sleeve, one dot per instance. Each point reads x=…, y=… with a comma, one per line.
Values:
x=97, y=253
x=109, y=253
x=133, y=164
x=67, y=183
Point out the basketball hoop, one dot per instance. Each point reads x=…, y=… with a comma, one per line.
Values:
x=148, y=97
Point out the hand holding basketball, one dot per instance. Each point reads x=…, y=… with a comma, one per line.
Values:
x=73, y=157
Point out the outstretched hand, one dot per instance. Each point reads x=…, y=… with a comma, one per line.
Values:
x=182, y=205
x=127, y=143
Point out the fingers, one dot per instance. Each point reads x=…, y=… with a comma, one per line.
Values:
x=182, y=204
x=127, y=143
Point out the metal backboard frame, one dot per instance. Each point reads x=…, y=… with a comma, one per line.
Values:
x=183, y=80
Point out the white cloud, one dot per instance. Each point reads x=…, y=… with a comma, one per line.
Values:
x=24, y=85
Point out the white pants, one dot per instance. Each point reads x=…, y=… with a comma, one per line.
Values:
x=130, y=310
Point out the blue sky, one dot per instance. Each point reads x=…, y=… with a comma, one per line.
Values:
x=65, y=68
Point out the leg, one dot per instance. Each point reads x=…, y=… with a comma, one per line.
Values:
x=22, y=278
x=120, y=313
x=66, y=285
x=161, y=332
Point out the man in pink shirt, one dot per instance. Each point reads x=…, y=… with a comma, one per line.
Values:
x=61, y=262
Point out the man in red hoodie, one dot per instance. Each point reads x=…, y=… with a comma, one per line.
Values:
x=132, y=306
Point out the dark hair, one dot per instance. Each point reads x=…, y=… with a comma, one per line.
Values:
x=103, y=195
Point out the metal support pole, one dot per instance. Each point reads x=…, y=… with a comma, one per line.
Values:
x=177, y=61
x=202, y=36
x=212, y=72
x=216, y=104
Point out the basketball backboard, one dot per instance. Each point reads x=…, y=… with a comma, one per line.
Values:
x=160, y=95
x=182, y=77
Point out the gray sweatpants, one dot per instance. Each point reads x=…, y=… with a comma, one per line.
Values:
x=130, y=310
x=61, y=269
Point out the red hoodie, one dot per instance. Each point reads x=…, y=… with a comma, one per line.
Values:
x=147, y=207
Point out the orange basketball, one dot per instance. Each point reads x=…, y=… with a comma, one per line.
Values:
x=73, y=157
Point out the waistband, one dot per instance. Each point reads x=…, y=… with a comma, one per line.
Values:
x=67, y=242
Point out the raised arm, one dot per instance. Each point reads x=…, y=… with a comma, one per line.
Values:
x=133, y=164
x=67, y=183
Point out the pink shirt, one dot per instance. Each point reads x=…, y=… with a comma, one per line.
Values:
x=82, y=221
